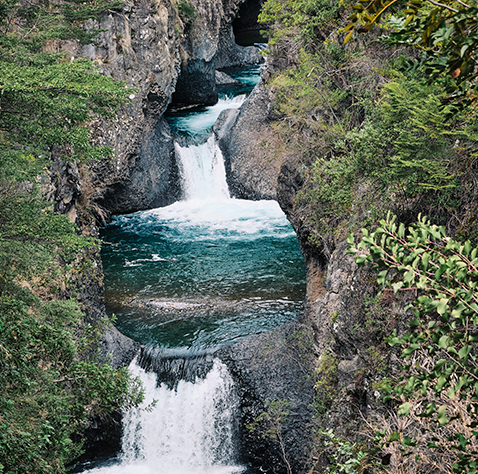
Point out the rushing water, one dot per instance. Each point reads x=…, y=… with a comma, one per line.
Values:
x=189, y=430
x=186, y=279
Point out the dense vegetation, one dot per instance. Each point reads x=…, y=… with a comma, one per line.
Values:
x=50, y=378
x=377, y=99
x=439, y=380
x=366, y=115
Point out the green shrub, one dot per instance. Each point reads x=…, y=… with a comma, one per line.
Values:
x=440, y=345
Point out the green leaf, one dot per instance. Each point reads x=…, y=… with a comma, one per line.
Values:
x=425, y=260
x=442, y=306
x=464, y=351
x=409, y=277
x=404, y=409
x=439, y=364
x=401, y=231
x=395, y=436
x=462, y=440
x=440, y=383
x=444, y=342
x=397, y=286
x=442, y=418
x=381, y=277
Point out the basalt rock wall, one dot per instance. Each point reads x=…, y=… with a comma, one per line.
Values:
x=272, y=372
x=164, y=54
x=249, y=146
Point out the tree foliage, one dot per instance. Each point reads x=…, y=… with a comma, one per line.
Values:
x=444, y=326
x=45, y=98
x=48, y=383
x=269, y=425
x=308, y=18
x=445, y=32
x=50, y=378
x=345, y=457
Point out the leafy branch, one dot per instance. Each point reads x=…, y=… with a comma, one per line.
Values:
x=441, y=343
x=269, y=425
x=446, y=32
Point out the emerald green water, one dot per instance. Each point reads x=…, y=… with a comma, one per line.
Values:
x=208, y=270
x=197, y=278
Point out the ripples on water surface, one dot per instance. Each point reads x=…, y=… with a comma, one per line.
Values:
x=200, y=273
x=208, y=270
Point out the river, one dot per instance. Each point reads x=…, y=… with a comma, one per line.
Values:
x=187, y=279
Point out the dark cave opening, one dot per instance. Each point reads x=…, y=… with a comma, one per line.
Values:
x=246, y=29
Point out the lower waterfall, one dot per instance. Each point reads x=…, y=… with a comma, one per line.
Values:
x=186, y=429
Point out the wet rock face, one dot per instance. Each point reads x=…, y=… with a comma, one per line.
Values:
x=139, y=45
x=247, y=143
x=196, y=84
x=152, y=176
x=274, y=367
x=230, y=54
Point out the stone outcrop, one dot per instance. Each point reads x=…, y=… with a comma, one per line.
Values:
x=152, y=175
x=274, y=367
x=222, y=79
x=248, y=145
x=231, y=54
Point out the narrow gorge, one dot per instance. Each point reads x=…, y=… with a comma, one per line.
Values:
x=190, y=279
x=231, y=222
x=201, y=271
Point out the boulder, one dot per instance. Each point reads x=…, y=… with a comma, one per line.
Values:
x=247, y=143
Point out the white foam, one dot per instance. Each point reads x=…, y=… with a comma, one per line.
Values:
x=189, y=430
x=202, y=171
x=154, y=258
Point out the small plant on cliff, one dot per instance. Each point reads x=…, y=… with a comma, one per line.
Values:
x=440, y=346
x=326, y=385
x=269, y=425
x=344, y=457
x=187, y=12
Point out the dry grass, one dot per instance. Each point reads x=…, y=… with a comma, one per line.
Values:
x=91, y=192
x=435, y=451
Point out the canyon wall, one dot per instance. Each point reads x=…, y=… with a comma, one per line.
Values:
x=164, y=57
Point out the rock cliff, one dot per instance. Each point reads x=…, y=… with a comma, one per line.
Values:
x=165, y=53
x=249, y=147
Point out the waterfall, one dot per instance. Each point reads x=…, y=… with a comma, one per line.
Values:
x=205, y=263
x=202, y=171
x=188, y=429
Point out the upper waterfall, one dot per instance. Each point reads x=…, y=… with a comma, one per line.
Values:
x=198, y=122
x=202, y=171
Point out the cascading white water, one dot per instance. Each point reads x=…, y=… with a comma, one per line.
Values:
x=189, y=430
x=202, y=171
